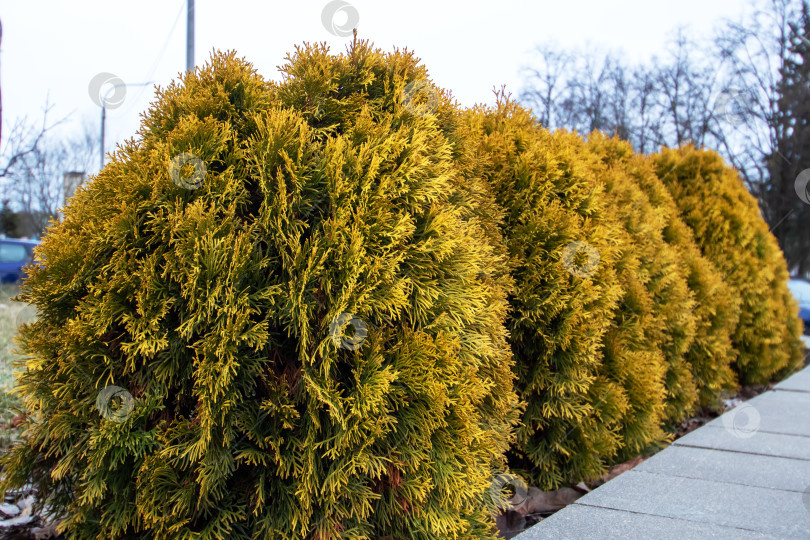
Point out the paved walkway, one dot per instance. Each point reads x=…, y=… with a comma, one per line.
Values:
x=742, y=476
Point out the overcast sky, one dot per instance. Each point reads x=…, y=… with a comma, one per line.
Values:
x=52, y=49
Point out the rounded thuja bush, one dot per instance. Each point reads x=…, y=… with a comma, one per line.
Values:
x=673, y=323
x=276, y=313
x=716, y=310
x=562, y=254
x=732, y=234
x=633, y=348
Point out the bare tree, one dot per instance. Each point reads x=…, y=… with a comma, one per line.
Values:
x=645, y=133
x=745, y=93
x=34, y=163
x=684, y=87
x=786, y=209
x=751, y=54
x=763, y=58
x=550, y=82
x=23, y=140
x=581, y=91
x=666, y=102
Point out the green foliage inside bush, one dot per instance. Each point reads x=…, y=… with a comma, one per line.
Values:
x=732, y=234
x=219, y=303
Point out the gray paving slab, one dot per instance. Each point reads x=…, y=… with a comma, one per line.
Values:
x=778, y=395
x=730, y=467
x=773, y=411
x=760, y=442
x=779, y=513
x=798, y=382
x=579, y=522
x=744, y=475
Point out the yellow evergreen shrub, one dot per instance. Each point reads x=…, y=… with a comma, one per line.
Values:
x=273, y=314
x=732, y=234
x=592, y=378
x=716, y=309
x=632, y=350
x=672, y=327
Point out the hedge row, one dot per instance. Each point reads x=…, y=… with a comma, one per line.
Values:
x=729, y=229
x=339, y=305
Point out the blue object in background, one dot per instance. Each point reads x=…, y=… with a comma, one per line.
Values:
x=801, y=290
x=804, y=314
x=14, y=254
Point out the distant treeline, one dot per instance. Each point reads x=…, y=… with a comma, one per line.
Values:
x=21, y=224
x=743, y=93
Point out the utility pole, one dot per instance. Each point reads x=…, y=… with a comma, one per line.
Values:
x=190, y=36
x=104, y=115
x=101, y=144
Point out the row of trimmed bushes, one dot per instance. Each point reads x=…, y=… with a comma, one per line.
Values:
x=520, y=298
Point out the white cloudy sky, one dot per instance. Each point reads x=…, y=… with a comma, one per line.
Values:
x=51, y=49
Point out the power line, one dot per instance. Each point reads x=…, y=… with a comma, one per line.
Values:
x=165, y=44
x=158, y=59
